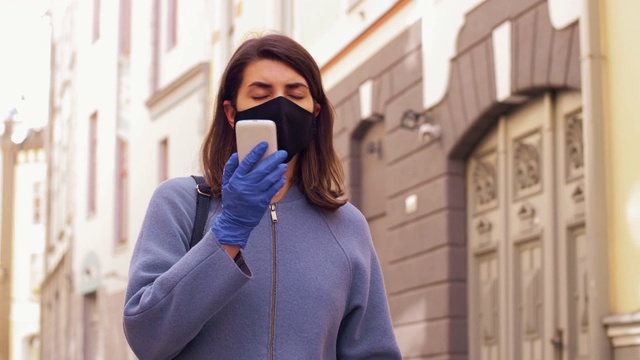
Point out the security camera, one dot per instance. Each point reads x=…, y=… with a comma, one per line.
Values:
x=429, y=132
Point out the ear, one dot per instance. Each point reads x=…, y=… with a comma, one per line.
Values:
x=317, y=110
x=229, y=111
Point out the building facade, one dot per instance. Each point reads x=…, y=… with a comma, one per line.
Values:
x=22, y=245
x=467, y=222
x=28, y=252
x=512, y=175
x=117, y=97
x=477, y=138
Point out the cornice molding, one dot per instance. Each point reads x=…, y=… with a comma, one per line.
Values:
x=623, y=329
x=162, y=94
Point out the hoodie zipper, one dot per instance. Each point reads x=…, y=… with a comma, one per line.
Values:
x=272, y=320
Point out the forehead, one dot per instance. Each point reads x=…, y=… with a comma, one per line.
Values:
x=271, y=72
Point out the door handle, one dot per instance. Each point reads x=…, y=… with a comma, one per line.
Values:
x=558, y=344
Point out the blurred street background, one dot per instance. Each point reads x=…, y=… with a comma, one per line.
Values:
x=492, y=146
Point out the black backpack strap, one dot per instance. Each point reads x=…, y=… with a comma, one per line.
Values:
x=202, y=209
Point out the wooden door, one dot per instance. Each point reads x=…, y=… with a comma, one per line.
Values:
x=526, y=258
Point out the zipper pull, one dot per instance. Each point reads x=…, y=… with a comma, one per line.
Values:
x=274, y=216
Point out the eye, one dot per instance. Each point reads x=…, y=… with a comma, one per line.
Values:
x=261, y=97
x=297, y=94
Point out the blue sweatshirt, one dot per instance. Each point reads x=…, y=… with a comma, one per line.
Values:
x=307, y=286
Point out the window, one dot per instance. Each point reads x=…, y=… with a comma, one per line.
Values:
x=163, y=160
x=93, y=165
x=35, y=273
x=124, y=40
x=172, y=23
x=96, y=20
x=122, y=191
x=155, y=43
x=37, y=202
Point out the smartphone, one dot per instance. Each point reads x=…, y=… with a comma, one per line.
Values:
x=250, y=133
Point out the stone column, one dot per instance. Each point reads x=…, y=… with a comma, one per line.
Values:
x=624, y=332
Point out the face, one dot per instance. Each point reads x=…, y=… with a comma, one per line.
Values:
x=266, y=79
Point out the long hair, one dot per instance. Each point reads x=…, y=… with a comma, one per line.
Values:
x=318, y=171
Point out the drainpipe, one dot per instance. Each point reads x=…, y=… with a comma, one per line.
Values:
x=593, y=63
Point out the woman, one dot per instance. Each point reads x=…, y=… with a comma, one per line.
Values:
x=288, y=270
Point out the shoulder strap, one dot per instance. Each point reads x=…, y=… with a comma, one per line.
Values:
x=202, y=209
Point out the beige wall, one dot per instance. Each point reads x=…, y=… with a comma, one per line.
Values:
x=621, y=28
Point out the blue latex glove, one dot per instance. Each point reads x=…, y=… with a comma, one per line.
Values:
x=247, y=192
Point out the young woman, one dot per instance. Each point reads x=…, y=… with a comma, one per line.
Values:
x=288, y=269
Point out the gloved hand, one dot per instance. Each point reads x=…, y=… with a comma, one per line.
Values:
x=247, y=192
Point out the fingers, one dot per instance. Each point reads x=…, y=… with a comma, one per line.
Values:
x=256, y=174
x=271, y=162
x=273, y=190
x=271, y=178
x=229, y=168
x=252, y=158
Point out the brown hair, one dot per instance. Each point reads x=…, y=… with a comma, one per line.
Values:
x=318, y=171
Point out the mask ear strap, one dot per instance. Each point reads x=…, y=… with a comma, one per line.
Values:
x=315, y=105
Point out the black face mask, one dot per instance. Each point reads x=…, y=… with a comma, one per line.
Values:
x=295, y=126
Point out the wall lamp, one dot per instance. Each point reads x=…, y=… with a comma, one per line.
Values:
x=427, y=131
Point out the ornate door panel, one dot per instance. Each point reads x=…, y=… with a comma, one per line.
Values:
x=527, y=273
x=572, y=252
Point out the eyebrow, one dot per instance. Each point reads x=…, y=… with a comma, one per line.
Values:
x=268, y=86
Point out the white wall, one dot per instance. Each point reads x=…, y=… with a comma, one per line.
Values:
x=60, y=151
x=350, y=24
x=252, y=18
x=312, y=21
x=143, y=178
x=193, y=39
x=344, y=26
x=564, y=12
x=180, y=116
x=96, y=82
x=442, y=22
x=97, y=90
x=181, y=124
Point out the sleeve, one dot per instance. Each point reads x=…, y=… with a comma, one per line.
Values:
x=366, y=331
x=173, y=292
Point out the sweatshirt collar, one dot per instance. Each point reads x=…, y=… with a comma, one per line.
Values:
x=293, y=194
